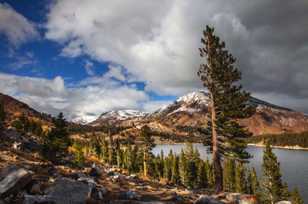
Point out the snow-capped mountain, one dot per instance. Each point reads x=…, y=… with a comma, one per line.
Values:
x=191, y=110
x=118, y=115
x=122, y=114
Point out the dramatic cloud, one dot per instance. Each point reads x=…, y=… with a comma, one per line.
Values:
x=157, y=41
x=84, y=101
x=15, y=27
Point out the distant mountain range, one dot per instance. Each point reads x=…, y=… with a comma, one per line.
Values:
x=181, y=119
x=189, y=112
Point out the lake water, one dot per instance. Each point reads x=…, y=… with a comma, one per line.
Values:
x=293, y=163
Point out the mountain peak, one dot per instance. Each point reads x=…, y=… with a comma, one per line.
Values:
x=196, y=96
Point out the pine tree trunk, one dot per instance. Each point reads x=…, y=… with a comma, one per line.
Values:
x=218, y=174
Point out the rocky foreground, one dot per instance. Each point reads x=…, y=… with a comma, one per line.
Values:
x=26, y=178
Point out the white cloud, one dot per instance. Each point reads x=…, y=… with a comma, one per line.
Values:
x=15, y=26
x=89, y=68
x=152, y=106
x=85, y=102
x=115, y=72
x=157, y=41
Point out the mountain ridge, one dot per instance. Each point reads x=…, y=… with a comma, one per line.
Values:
x=190, y=111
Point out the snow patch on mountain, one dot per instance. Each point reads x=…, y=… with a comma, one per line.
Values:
x=122, y=114
x=193, y=97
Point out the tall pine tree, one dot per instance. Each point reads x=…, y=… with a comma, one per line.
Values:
x=240, y=178
x=57, y=140
x=273, y=188
x=148, y=145
x=229, y=175
x=228, y=102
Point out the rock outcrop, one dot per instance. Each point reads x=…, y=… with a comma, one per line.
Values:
x=14, y=179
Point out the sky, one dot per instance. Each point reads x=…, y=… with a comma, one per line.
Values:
x=87, y=57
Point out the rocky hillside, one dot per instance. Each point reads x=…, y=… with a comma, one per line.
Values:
x=190, y=112
x=15, y=108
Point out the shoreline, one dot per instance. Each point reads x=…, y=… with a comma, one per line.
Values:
x=296, y=147
x=259, y=145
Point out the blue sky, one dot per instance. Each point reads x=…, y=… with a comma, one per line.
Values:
x=88, y=57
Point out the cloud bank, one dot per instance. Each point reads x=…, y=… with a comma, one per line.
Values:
x=84, y=101
x=156, y=42
x=15, y=27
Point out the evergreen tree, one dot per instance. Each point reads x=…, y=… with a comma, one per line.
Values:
x=112, y=157
x=240, y=178
x=78, y=154
x=192, y=157
x=175, y=177
x=183, y=167
x=105, y=151
x=38, y=129
x=273, y=188
x=148, y=145
x=202, y=181
x=227, y=103
x=229, y=175
x=2, y=116
x=57, y=140
x=296, y=197
x=160, y=167
x=17, y=125
x=97, y=145
x=210, y=173
x=119, y=154
x=168, y=166
x=252, y=182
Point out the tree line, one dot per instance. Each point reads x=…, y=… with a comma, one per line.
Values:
x=285, y=139
x=187, y=169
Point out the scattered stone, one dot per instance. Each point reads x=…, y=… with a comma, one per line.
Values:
x=36, y=189
x=7, y=170
x=232, y=196
x=137, y=202
x=240, y=198
x=247, y=199
x=95, y=171
x=207, y=200
x=16, y=145
x=14, y=181
x=129, y=195
x=173, y=197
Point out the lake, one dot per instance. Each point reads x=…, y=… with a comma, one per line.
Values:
x=293, y=163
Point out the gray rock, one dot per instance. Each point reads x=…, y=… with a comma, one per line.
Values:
x=37, y=199
x=241, y=198
x=284, y=202
x=137, y=202
x=247, y=199
x=232, y=196
x=36, y=189
x=14, y=181
x=70, y=191
x=129, y=195
x=207, y=200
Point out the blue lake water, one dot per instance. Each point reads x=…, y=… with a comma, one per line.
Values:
x=293, y=163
